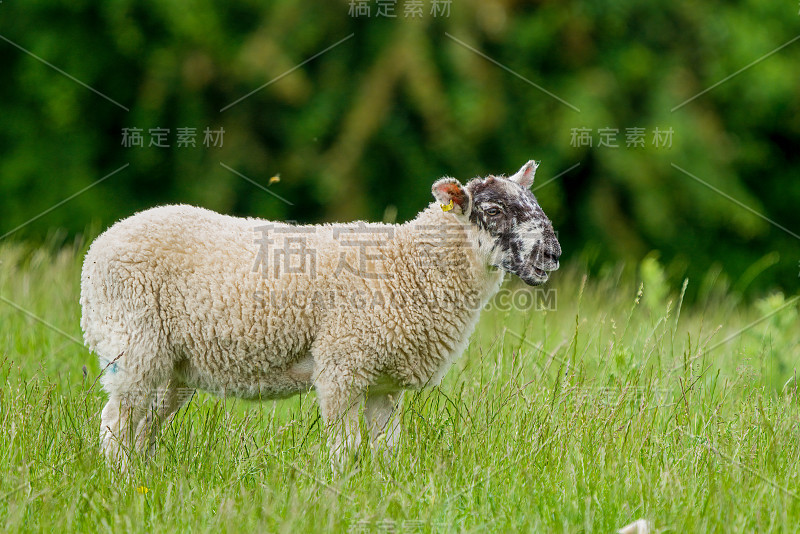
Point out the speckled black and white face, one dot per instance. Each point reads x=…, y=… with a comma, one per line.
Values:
x=511, y=229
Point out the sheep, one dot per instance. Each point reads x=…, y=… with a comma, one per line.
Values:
x=177, y=298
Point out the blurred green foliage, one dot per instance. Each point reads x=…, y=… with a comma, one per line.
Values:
x=364, y=129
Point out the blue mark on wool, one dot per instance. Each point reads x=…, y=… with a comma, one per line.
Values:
x=109, y=366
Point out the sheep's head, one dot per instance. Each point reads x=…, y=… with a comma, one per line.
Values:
x=507, y=223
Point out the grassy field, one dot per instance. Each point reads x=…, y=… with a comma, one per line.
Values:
x=616, y=405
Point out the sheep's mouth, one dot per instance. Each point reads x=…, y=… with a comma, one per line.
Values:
x=533, y=274
x=536, y=277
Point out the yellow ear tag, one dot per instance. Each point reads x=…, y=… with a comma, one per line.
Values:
x=448, y=207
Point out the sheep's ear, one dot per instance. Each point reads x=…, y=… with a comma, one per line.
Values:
x=524, y=176
x=451, y=195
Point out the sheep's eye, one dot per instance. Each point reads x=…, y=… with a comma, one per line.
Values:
x=492, y=211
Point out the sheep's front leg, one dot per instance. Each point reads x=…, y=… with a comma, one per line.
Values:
x=340, y=403
x=383, y=422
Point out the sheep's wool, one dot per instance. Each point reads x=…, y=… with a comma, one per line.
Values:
x=179, y=296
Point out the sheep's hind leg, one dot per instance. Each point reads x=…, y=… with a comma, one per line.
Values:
x=109, y=421
x=383, y=421
x=131, y=384
x=166, y=403
x=121, y=417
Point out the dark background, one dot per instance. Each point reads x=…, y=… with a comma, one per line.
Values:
x=362, y=131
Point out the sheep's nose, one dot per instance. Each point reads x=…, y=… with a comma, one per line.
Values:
x=551, y=243
x=552, y=257
x=556, y=252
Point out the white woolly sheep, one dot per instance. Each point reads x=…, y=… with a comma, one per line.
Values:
x=180, y=297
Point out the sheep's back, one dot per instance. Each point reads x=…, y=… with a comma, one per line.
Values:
x=187, y=278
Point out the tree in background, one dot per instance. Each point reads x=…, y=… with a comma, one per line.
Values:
x=362, y=130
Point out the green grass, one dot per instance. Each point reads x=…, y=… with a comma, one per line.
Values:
x=610, y=408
